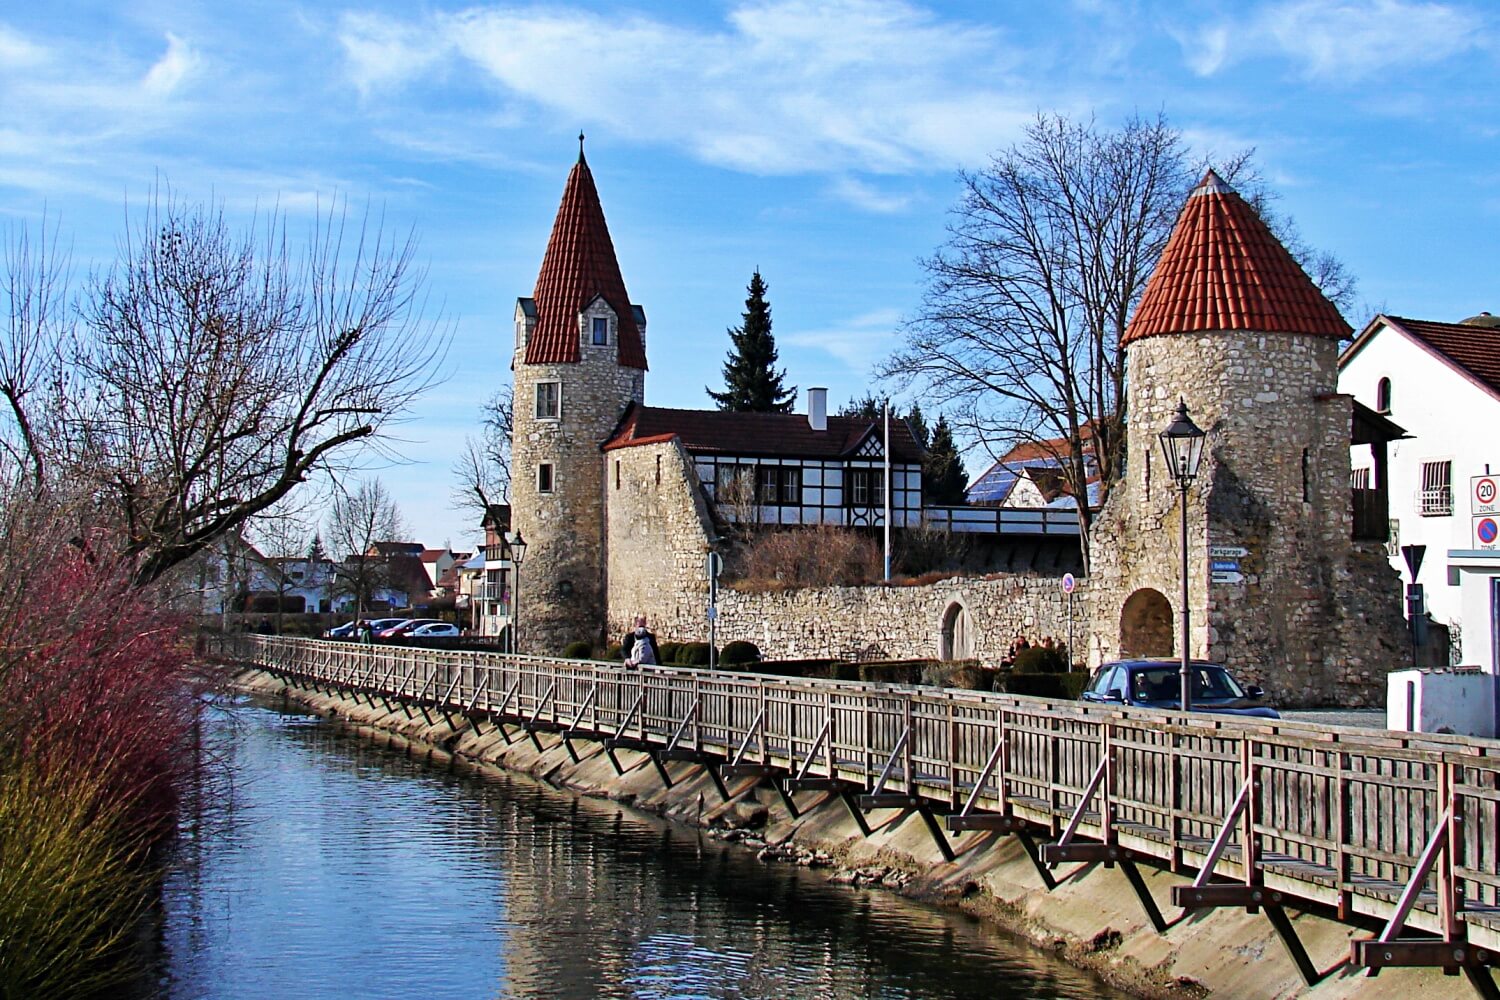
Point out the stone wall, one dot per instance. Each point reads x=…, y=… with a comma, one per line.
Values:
x=879, y=622
x=659, y=530
x=561, y=582
x=1275, y=483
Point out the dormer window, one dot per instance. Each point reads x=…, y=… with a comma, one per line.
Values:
x=600, y=334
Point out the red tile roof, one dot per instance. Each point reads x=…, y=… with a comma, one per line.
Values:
x=1223, y=269
x=1473, y=349
x=578, y=266
x=757, y=435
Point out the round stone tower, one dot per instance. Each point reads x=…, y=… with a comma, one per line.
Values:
x=1231, y=325
x=580, y=360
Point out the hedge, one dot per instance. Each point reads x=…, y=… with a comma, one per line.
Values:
x=740, y=651
x=1064, y=686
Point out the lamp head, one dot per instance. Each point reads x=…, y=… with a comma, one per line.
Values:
x=1182, y=446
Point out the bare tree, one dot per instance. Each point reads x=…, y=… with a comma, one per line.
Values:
x=282, y=534
x=1049, y=250
x=209, y=371
x=358, y=520
x=482, y=471
x=33, y=283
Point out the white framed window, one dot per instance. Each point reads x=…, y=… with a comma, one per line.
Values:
x=599, y=334
x=1383, y=396
x=1436, y=496
x=544, y=480
x=866, y=488
x=548, y=400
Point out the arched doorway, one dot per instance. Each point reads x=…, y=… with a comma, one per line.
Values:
x=958, y=634
x=1146, y=624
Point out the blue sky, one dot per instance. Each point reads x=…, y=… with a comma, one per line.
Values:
x=816, y=141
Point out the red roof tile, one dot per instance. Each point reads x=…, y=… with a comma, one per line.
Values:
x=1223, y=269
x=757, y=435
x=579, y=265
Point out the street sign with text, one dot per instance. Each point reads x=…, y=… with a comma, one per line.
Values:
x=1483, y=495
x=1227, y=552
x=1226, y=577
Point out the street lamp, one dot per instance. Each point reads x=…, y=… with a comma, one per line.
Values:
x=1182, y=444
x=517, y=555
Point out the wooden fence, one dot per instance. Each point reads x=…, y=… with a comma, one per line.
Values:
x=1398, y=830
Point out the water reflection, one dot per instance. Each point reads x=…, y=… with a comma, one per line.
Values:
x=339, y=868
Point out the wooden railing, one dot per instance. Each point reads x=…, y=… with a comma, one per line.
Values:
x=1400, y=827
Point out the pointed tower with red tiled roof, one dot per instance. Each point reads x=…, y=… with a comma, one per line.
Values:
x=1279, y=590
x=580, y=360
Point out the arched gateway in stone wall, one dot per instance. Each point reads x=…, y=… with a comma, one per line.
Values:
x=1146, y=625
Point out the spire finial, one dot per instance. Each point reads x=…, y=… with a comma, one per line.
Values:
x=580, y=144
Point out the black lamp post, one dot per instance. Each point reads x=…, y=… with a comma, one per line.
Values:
x=1182, y=444
x=517, y=555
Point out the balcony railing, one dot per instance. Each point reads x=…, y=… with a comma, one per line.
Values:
x=1372, y=515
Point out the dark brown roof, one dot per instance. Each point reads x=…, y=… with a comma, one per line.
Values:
x=1473, y=349
x=1223, y=269
x=579, y=266
x=758, y=435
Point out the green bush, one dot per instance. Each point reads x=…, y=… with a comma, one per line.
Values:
x=579, y=650
x=966, y=674
x=614, y=652
x=667, y=651
x=895, y=671
x=1061, y=686
x=801, y=668
x=740, y=651
x=1040, y=660
x=692, y=654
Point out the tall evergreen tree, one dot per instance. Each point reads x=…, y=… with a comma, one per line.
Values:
x=944, y=480
x=918, y=425
x=751, y=381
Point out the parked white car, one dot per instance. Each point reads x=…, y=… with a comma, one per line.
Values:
x=434, y=630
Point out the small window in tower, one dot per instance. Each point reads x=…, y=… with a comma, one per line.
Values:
x=544, y=478
x=658, y=470
x=548, y=400
x=1306, y=479
x=601, y=331
x=617, y=473
x=1383, y=396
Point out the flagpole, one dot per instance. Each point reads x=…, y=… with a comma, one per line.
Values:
x=887, y=478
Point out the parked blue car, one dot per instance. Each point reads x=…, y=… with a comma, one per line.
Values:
x=1157, y=684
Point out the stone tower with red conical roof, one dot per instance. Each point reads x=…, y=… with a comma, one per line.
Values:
x=1280, y=592
x=580, y=360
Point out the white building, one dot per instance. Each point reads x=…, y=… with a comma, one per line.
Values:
x=1441, y=382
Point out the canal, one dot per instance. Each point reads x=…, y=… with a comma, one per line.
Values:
x=323, y=865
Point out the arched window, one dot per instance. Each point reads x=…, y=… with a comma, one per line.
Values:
x=1383, y=396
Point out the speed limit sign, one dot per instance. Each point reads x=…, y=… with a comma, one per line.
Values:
x=1484, y=494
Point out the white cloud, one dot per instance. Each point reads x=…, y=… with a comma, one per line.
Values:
x=175, y=65
x=19, y=52
x=868, y=197
x=858, y=342
x=784, y=86
x=1337, y=39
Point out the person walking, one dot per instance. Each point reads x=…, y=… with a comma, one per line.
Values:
x=639, y=646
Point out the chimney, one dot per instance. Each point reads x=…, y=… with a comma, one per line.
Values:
x=817, y=409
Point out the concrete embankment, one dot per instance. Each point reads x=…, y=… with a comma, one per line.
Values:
x=1092, y=918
